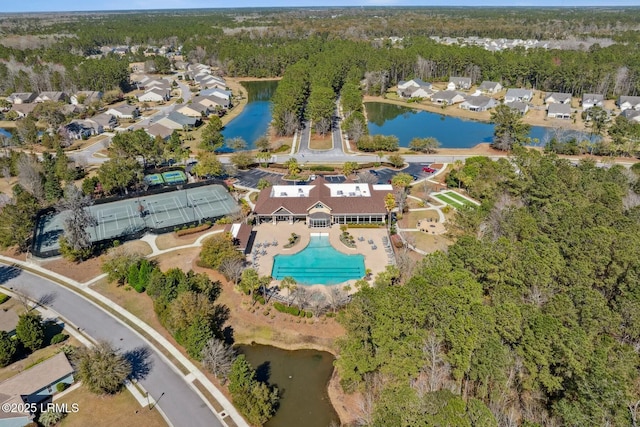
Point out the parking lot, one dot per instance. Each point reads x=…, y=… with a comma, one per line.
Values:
x=385, y=175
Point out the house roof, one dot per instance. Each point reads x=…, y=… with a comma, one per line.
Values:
x=631, y=114
x=633, y=100
x=487, y=85
x=52, y=96
x=36, y=378
x=559, y=109
x=195, y=107
x=519, y=93
x=347, y=198
x=478, y=100
x=217, y=92
x=22, y=96
x=125, y=109
x=157, y=129
x=223, y=102
x=104, y=119
x=559, y=96
x=23, y=109
x=517, y=105
x=447, y=95
x=592, y=97
x=455, y=79
x=241, y=233
x=181, y=119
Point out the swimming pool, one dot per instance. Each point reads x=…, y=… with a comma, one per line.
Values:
x=319, y=264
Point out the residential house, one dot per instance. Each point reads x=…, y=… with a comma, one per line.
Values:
x=631, y=115
x=419, y=92
x=242, y=235
x=82, y=129
x=447, y=97
x=124, y=111
x=490, y=87
x=23, y=110
x=626, y=102
x=478, y=103
x=195, y=110
x=52, y=96
x=216, y=92
x=520, y=95
x=209, y=81
x=321, y=204
x=413, y=83
x=212, y=101
x=86, y=97
x=558, y=98
x=177, y=121
x=155, y=95
x=34, y=385
x=22, y=97
x=461, y=82
x=108, y=121
x=522, y=107
x=592, y=100
x=559, y=111
x=157, y=129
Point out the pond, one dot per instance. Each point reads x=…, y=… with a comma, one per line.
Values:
x=301, y=377
x=452, y=132
x=255, y=118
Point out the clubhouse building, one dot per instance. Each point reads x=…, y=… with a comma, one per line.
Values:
x=321, y=204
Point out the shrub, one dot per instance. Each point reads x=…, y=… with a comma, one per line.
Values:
x=309, y=314
x=193, y=230
x=261, y=300
x=322, y=168
x=58, y=338
x=365, y=225
x=61, y=387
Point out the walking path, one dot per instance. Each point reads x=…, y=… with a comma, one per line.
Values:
x=158, y=340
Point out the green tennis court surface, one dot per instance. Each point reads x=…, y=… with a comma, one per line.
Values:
x=122, y=218
x=174, y=177
x=154, y=179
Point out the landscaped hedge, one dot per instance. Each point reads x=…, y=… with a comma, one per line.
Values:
x=322, y=168
x=365, y=225
x=193, y=230
x=4, y=298
x=294, y=311
x=58, y=338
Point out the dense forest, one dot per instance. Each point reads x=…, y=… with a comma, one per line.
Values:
x=266, y=42
x=531, y=318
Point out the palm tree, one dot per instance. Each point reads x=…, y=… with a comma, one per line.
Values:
x=290, y=284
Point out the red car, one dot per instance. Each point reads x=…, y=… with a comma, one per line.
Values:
x=428, y=170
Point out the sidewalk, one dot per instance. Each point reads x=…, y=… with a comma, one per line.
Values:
x=159, y=341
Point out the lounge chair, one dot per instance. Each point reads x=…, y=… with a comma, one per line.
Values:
x=374, y=247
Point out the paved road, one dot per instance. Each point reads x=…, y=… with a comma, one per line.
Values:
x=181, y=404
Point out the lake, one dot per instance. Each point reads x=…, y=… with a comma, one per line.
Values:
x=255, y=118
x=301, y=377
x=452, y=132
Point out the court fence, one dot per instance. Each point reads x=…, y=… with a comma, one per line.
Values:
x=103, y=244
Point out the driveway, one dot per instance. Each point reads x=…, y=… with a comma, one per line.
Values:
x=177, y=399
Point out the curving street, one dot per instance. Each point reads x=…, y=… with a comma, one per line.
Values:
x=177, y=399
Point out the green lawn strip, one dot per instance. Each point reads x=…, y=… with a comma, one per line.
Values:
x=459, y=198
x=449, y=201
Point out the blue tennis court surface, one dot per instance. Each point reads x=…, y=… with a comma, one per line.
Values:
x=174, y=177
x=122, y=218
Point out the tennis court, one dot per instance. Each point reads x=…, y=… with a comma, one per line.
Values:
x=174, y=177
x=154, y=179
x=124, y=218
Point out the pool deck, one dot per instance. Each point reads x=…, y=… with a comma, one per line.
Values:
x=376, y=260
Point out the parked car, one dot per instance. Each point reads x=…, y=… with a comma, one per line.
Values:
x=373, y=171
x=428, y=169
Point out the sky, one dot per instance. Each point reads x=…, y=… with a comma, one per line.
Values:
x=9, y=6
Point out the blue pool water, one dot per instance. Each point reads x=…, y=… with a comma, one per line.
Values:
x=5, y=133
x=452, y=132
x=319, y=264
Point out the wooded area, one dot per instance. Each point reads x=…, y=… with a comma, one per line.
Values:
x=531, y=318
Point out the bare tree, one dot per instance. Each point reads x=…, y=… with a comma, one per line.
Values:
x=78, y=220
x=217, y=358
x=30, y=176
x=302, y=297
x=323, y=126
x=355, y=130
x=337, y=297
x=291, y=123
x=232, y=269
x=317, y=302
x=367, y=178
x=436, y=368
x=374, y=384
x=6, y=174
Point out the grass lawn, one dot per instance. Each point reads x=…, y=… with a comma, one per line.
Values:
x=319, y=143
x=428, y=242
x=105, y=411
x=459, y=198
x=449, y=201
x=410, y=219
